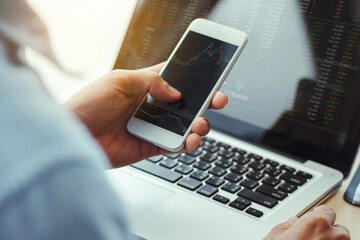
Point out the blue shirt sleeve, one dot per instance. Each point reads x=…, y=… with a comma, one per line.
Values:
x=69, y=202
x=52, y=184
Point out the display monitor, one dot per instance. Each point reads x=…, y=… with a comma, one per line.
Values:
x=295, y=88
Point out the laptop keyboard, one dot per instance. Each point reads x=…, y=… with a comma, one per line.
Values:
x=216, y=166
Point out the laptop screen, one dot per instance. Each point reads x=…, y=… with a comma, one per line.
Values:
x=294, y=89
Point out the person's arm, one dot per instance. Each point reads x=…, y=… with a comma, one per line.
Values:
x=106, y=105
x=318, y=224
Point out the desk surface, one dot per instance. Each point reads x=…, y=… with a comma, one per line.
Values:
x=347, y=214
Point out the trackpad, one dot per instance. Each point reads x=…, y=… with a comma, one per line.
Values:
x=140, y=197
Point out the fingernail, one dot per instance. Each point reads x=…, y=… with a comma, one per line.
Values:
x=173, y=90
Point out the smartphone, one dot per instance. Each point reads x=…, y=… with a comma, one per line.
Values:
x=197, y=68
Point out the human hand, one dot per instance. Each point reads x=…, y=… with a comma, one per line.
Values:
x=318, y=224
x=106, y=105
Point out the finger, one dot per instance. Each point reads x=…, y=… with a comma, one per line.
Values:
x=282, y=227
x=192, y=142
x=201, y=126
x=325, y=211
x=142, y=82
x=156, y=68
x=285, y=225
x=291, y=221
x=341, y=232
x=219, y=100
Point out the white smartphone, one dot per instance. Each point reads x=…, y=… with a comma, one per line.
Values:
x=197, y=68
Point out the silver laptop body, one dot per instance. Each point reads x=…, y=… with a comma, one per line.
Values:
x=292, y=100
x=162, y=210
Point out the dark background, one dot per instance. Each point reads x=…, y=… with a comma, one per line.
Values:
x=294, y=89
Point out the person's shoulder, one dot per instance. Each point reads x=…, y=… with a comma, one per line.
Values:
x=38, y=137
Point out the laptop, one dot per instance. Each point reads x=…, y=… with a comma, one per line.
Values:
x=284, y=142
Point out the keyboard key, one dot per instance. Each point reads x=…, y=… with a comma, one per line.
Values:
x=271, y=192
x=223, y=145
x=208, y=157
x=254, y=156
x=271, y=163
x=226, y=154
x=248, y=183
x=189, y=183
x=211, y=149
x=223, y=163
x=243, y=201
x=158, y=171
x=184, y=169
x=271, y=181
x=187, y=159
x=215, y=181
x=199, y=175
x=258, y=198
x=304, y=175
x=238, y=151
x=173, y=156
x=207, y=190
x=231, y=187
x=168, y=163
x=293, y=179
x=210, y=140
x=257, y=166
x=272, y=171
x=155, y=159
x=239, y=169
x=287, y=168
x=287, y=187
x=241, y=160
x=237, y=205
x=202, y=165
x=195, y=153
x=233, y=177
x=221, y=199
x=217, y=171
x=255, y=175
x=254, y=212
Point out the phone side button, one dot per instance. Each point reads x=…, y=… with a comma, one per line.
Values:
x=158, y=171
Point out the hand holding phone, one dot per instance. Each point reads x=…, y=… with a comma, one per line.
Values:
x=197, y=68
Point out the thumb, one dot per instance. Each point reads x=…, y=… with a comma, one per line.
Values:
x=156, y=68
x=141, y=82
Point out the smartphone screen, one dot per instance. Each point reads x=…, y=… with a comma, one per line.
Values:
x=194, y=70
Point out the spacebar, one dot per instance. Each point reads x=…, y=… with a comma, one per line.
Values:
x=157, y=170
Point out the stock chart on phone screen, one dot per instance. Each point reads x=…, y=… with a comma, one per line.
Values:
x=194, y=70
